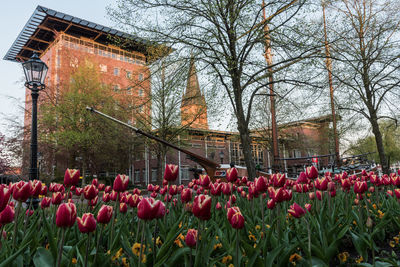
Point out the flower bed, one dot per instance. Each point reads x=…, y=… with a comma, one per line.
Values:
x=321, y=221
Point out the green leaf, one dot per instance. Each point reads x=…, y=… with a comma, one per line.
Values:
x=43, y=258
x=10, y=259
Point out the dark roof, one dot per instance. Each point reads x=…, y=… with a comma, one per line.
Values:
x=41, y=29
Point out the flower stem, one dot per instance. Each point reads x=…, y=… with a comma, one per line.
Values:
x=154, y=242
x=141, y=245
x=27, y=214
x=87, y=249
x=116, y=209
x=98, y=243
x=58, y=264
x=237, y=248
x=16, y=222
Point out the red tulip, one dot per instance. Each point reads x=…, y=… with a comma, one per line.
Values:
x=136, y=191
x=114, y=195
x=134, y=200
x=231, y=175
x=123, y=208
x=261, y=184
x=296, y=211
x=216, y=189
x=360, y=187
x=92, y=202
x=87, y=223
x=318, y=194
x=121, y=183
x=235, y=218
x=321, y=184
x=186, y=195
x=204, y=180
x=302, y=179
x=71, y=177
x=218, y=206
x=7, y=215
x=108, y=189
x=45, y=203
x=150, y=187
x=22, y=190
x=104, y=215
x=173, y=190
x=43, y=191
x=29, y=213
x=95, y=182
x=202, y=207
x=232, y=199
x=56, y=198
x=226, y=188
x=90, y=192
x=389, y=193
x=278, y=179
x=66, y=215
x=308, y=207
x=5, y=194
x=36, y=188
x=397, y=193
x=311, y=195
x=171, y=172
x=106, y=197
x=153, y=195
x=101, y=187
x=191, y=238
x=346, y=184
x=149, y=209
x=312, y=172
x=167, y=198
x=271, y=204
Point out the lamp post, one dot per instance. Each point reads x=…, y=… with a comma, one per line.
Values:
x=221, y=156
x=35, y=72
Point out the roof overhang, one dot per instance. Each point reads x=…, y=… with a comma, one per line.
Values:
x=44, y=25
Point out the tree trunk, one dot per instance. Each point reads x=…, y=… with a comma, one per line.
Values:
x=246, y=147
x=379, y=143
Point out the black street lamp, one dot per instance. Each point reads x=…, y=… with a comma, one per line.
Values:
x=221, y=156
x=35, y=72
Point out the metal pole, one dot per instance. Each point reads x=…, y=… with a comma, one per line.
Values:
x=33, y=170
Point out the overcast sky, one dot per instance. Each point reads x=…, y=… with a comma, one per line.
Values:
x=13, y=18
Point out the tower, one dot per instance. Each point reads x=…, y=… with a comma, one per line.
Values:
x=193, y=107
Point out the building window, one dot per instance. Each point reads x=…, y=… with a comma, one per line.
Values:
x=154, y=174
x=184, y=172
x=128, y=74
x=141, y=93
x=103, y=68
x=137, y=176
x=140, y=109
x=116, y=88
x=129, y=90
x=116, y=71
x=141, y=77
x=296, y=153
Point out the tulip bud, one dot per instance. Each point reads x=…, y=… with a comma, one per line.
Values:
x=104, y=215
x=22, y=191
x=311, y=172
x=66, y=215
x=202, y=207
x=45, y=203
x=134, y=200
x=43, y=191
x=78, y=191
x=173, y=190
x=153, y=195
x=186, y=195
x=29, y=213
x=93, y=202
x=5, y=194
x=108, y=189
x=191, y=238
x=171, y=172
x=7, y=215
x=36, y=188
x=136, y=191
x=369, y=222
x=149, y=209
x=302, y=179
x=278, y=180
x=218, y=206
x=271, y=204
x=296, y=211
x=261, y=184
x=235, y=218
x=90, y=192
x=56, y=198
x=123, y=208
x=121, y=183
x=87, y=223
x=71, y=177
x=231, y=175
x=95, y=182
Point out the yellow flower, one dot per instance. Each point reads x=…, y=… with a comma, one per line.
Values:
x=180, y=224
x=231, y=265
x=294, y=258
x=374, y=206
x=108, y=252
x=125, y=262
x=258, y=227
x=136, y=249
x=226, y=259
x=381, y=214
x=216, y=246
x=216, y=237
x=252, y=238
x=47, y=246
x=268, y=226
x=354, y=222
x=74, y=261
x=359, y=259
x=178, y=243
x=396, y=239
x=392, y=244
x=343, y=256
x=158, y=241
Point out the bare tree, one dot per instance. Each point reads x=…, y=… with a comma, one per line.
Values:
x=367, y=61
x=228, y=38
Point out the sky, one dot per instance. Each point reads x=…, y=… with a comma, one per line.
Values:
x=14, y=16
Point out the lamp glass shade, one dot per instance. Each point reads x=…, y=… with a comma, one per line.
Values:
x=35, y=70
